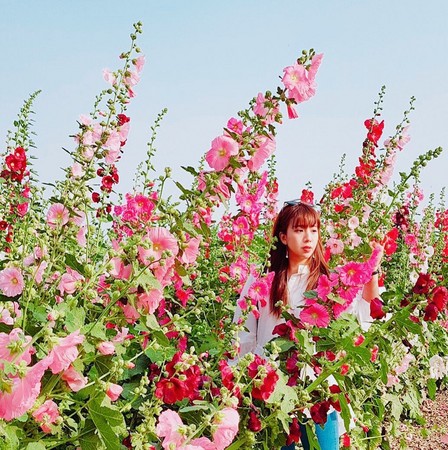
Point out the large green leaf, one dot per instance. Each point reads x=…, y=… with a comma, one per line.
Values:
x=108, y=421
x=90, y=440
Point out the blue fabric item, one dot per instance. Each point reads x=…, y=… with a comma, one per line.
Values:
x=328, y=436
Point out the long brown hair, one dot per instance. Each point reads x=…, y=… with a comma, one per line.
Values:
x=299, y=215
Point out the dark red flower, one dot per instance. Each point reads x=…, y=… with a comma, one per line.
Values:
x=423, y=284
x=294, y=432
x=431, y=312
x=254, y=423
x=287, y=329
x=440, y=297
x=376, y=309
x=319, y=412
x=346, y=441
x=335, y=389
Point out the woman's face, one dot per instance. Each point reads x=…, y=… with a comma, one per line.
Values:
x=301, y=242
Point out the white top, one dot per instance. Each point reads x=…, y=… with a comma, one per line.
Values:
x=259, y=332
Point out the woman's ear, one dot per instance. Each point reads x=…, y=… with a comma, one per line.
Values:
x=282, y=237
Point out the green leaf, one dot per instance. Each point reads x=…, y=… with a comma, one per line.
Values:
x=108, y=421
x=152, y=323
x=432, y=388
x=36, y=446
x=73, y=263
x=148, y=281
x=74, y=319
x=90, y=440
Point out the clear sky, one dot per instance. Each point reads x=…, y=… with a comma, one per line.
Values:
x=207, y=59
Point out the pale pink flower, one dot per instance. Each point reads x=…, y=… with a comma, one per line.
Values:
x=109, y=77
x=223, y=148
x=23, y=392
x=46, y=414
x=39, y=273
x=113, y=391
x=106, y=348
x=168, y=428
x=16, y=347
x=226, y=421
x=293, y=76
x=235, y=125
x=84, y=119
x=263, y=148
x=113, y=146
x=191, y=251
x=65, y=352
x=11, y=281
x=75, y=380
x=392, y=380
x=404, y=365
x=353, y=222
x=336, y=246
x=121, y=335
x=315, y=314
x=77, y=170
x=81, y=236
x=139, y=63
x=70, y=281
x=57, y=215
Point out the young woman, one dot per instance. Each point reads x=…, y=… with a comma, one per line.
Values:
x=297, y=262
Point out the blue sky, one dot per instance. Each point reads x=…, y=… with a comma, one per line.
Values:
x=207, y=59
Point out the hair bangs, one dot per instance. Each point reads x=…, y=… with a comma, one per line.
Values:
x=305, y=216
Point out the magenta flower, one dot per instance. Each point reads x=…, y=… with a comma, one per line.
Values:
x=355, y=274
x=57, y=215
x=162, y=240
x=223, y=148
x=11, y=281
x=191, y=251
x=315, y=314
x=325, y=285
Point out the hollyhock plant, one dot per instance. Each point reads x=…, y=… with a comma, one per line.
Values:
x=116, y=309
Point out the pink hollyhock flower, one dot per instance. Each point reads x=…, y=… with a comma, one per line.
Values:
x=11, y=281
x=113, y=391
x=139, y=63
x=241, y=226
x=292, y=113
x=77, y=170
x=358, y=340
x=119, y=270
x=57, y=215
x=392, y=380
x=75, y=380
x=293, y=76
x=336, y=246
x=46, y=414
x=15, y=346
x=259, y=290
x=162, y=240
x=325, y=285
x=65, y=352
x=226, y=421
x=223, y=148
x=149, y=301
x=39, y=273
x=315, y=314
x=263, y=148
x=23, y=392
x=191, y=251
x=168, y=428
x=353, y=222
x=106, y=348
x=404, y=365
x=235, y=125
x=109, y=77
x=69, y=281
x=355, y=274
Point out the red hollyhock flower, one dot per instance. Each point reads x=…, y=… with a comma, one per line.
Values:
x=122, y=119
x=170, y=390
x=431, y=313
x=423, y=284
x=390, y=242
x=376, y=309
x=294, y=432
x=344, y=369
x=307, y=197
x=346, y=441
x=254, y=423
x=287, y=330
x=268, y=382
x=374, y=353
x=440, y=297
x=375, y=130
x=291, y=362
x=226, y=374
x=319, y=412
x=335, y=389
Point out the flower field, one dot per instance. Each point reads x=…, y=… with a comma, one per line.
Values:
x=117, y=325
